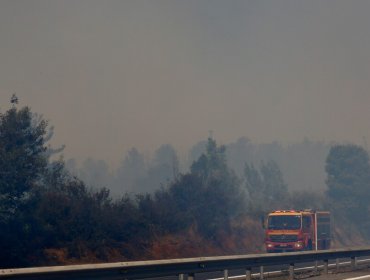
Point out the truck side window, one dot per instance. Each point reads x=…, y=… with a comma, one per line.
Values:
x=306, y=222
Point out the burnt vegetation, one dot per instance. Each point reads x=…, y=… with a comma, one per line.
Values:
x=50, y=216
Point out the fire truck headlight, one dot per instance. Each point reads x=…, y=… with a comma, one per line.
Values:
x=298, y=245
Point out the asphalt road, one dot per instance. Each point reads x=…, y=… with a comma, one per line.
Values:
x=357, y=275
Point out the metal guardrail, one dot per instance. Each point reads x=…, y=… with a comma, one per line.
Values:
x=183, y=267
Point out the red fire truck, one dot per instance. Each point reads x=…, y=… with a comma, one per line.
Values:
x=297, y=230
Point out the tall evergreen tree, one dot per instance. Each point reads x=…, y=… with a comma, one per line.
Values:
x=23, y=158
x=348, y=181
x=212, y=162
x=220, y=195
x=348, y=173
x=130, y=176
x=23, y=169
x=266, y=187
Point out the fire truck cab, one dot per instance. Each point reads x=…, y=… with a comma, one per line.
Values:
x=297, y=230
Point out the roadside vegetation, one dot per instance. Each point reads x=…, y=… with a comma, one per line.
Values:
x=49, y=216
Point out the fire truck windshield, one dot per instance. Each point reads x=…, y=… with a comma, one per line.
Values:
x=284, y=222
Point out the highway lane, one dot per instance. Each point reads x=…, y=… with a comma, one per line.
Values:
x=357, y=275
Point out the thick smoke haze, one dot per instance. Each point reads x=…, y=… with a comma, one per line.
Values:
x=111, y=75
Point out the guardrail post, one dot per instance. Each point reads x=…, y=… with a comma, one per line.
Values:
x=261, y=272
x=291, y=271
x=226, y=274
x=337, y=264
x=326, y=266
x=191, y=276
x=248, y=273
x=316, y=269
x=353, y=263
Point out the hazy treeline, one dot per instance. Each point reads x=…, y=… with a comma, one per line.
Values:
x=50, y=216
x=303, y=165
x=136, y=174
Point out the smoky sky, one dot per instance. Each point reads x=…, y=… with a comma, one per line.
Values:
x=110, y=75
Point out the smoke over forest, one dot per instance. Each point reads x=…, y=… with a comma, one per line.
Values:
x=302, y=165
